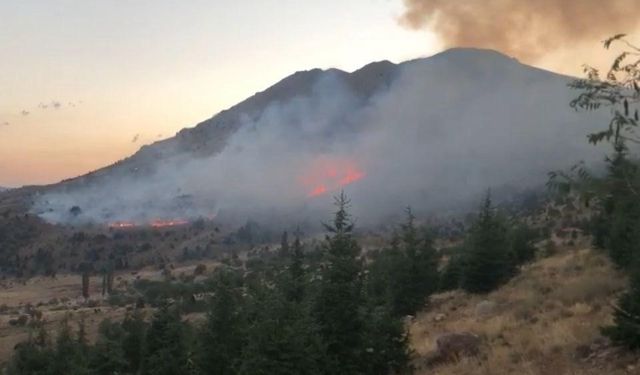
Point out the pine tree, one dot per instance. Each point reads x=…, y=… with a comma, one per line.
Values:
x=421, y=278
x=626, y=328
x=108, y=356
x=622, y=209
x=282, y=339
x=385, y=274
x=68, y=357
x=386, y=343
x=32, y=357
x=284, y=244
x=451, y=275
x=520, y=244
x=296, y=288
x=340, y=297
x=487, y=262
x=406, y=272
x=166, y=350
x=133, y=342
x=223, y=335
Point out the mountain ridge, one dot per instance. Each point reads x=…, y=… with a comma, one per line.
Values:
x=459, y=122
x=209, y=136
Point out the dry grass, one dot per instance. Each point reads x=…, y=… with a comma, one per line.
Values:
x=554, y=306
x=60, y=297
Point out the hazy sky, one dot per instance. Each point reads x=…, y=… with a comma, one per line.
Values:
x=85, y=83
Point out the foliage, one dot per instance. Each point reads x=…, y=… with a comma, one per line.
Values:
x=615, y=226
x=166, y=345
x=406, y=273
x=340, y=297
x=488, y=261
x=222, y=337
x=303, y=312
x=626, y=327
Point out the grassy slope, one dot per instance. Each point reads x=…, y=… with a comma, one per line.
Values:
x=544, y=318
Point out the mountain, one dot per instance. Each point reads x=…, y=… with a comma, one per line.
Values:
x=433, y=132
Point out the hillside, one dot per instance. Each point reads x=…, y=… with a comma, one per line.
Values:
x=547, y=320
x=477, y=112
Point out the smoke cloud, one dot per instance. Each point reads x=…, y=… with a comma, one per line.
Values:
x=524, y=29
x=443, y=131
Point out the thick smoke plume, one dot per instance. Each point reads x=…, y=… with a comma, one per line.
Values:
x=435, y=136
x=526, y=29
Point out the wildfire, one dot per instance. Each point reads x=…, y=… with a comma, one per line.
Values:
x=122, y=225
x=157, y=223
x=330, y=174
x=167, y=223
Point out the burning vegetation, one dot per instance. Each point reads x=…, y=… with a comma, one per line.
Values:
x=156, y=223
x=329, y=175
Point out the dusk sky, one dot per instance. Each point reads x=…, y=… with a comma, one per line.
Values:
x=86, y=83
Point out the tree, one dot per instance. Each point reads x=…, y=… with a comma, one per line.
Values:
x=487, y=263
x=85, y=284
x=385, y=274
x=621, y=209
x=295, y=290
x=68, y=356
x=222, y=336
x=406, y=272
x=31, y=357
x=421, y=278
x=284, y=244
x=386, y=343
x=282, y=339
x=626, y=328
x=617, y=194
x=108, y=356
x=451, y=275
x=166, y=350
x=520, y=244
x=133, y=343
x=340, y=296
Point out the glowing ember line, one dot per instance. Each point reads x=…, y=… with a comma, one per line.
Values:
x=167, y=223
x=122, y=224
x=159, y=223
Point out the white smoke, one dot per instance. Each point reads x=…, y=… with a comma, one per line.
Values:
x=445, y=130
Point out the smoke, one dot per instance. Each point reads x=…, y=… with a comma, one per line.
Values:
x=443, y=131
x=527, y=30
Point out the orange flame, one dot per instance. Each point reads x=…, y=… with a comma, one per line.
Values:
x=122, y=225
x=158, y=223
x=330, y=174
x=167, y=223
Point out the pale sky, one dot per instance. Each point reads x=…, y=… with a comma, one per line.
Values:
x=145, y=69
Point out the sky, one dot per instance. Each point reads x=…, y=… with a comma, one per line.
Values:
x=86, y=83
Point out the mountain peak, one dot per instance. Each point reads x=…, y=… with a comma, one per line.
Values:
x=473, y=54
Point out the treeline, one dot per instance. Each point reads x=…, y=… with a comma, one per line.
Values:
x=337, y=312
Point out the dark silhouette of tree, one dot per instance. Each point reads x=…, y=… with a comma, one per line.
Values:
x=340, y=298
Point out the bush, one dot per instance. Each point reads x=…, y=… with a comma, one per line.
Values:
x=200, y=269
